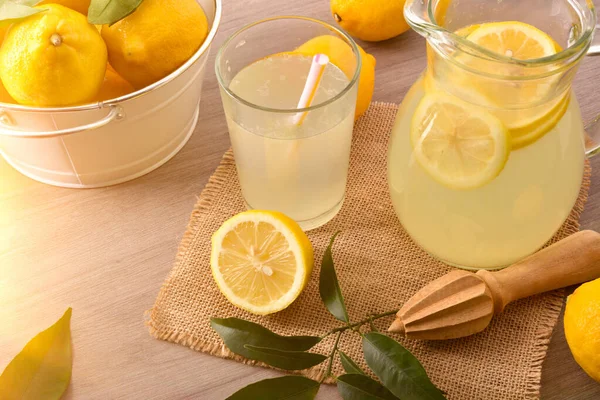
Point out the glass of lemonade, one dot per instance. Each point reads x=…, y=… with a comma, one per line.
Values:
x=487, y=152
x=299, y=169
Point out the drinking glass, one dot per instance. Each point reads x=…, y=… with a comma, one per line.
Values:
x=299, y=169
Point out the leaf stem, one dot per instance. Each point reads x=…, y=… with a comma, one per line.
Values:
x=367, y=320
x=332, y=356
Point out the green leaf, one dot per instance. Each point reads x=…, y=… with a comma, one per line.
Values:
x=42, y=370
x=361, y=387
x=284, y=388
x=329, y=287
x=236, y=333
x=289, y=360
x=110, y=11
x=14, y=10
x=349, y=365
x=398, y=369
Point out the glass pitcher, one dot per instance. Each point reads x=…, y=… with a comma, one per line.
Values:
x=488, y=150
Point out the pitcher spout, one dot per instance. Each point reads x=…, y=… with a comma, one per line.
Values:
x=449, y=25
x=417, y=15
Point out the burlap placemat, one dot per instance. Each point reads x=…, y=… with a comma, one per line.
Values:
x=379, y=268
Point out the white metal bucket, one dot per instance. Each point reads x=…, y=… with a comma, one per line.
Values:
x=110, y=142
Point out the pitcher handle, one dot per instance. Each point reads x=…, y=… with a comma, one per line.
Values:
x=594, y=49
x=592, y=130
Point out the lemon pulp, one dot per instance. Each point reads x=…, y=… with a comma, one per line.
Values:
x=459, y=146
x=261, y=261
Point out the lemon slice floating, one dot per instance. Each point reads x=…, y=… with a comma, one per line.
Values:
x=459, y=145
x=527, y=134
x=522, y=42
x=514, y=39
x=261, y=261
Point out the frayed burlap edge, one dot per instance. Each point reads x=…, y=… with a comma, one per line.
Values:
x=543, y=336
x=555, y=303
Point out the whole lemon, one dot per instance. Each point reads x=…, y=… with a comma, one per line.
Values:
x=155, y=40
x=340, y=54
x=81, y=6
x=3, y=30
x=114, y=86
x=53, y=58
x=370, y=20
x=5, y=96
x=582, y=327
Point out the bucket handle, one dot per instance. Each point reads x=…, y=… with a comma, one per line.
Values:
x=6, y=125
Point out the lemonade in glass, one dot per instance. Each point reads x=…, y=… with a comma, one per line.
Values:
x=297, y=168
x=487, y=152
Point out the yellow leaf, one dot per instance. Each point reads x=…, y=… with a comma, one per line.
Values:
x=42, y=370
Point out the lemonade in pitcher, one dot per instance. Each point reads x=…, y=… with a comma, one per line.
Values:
x=487, y=151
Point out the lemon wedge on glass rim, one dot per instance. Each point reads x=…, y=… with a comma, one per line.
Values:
x=459, y=145
x=261, y=260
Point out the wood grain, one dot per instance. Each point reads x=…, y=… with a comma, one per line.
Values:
x=105, y=252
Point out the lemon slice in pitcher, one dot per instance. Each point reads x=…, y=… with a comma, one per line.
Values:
x=527, y=134
x=520, y=41
x=514, y=39
x=261, y=261
x=458, y=144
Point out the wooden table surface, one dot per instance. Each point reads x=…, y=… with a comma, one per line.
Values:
x=105, y=252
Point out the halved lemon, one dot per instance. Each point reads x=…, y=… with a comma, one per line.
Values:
x=458, y=144
x=261, y=261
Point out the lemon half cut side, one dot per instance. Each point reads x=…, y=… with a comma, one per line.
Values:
x=261, y=261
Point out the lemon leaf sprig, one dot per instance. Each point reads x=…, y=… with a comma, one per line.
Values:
x=401, y=375
x=109, y=12
x=14, y=10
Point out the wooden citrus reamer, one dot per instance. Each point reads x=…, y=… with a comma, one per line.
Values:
x=463, y=303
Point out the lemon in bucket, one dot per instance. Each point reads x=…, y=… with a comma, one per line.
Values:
x=53, y=58
x=81, y=6
x=155, y=39
x=113, y=86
